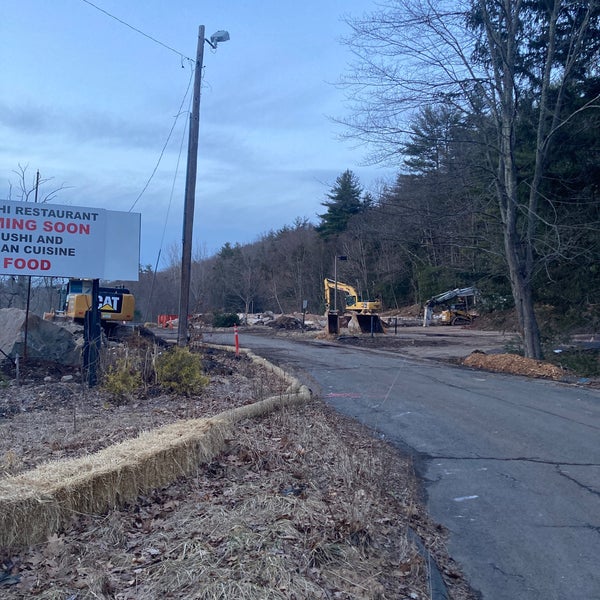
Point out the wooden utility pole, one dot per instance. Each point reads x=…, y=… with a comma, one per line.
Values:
x=28, y=303
x=190, y=197
x=92, y=335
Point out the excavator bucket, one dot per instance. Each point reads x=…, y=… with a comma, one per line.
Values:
x=370, y=323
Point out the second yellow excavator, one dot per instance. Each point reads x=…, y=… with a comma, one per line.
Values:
x=353, y=301
x=363, y=311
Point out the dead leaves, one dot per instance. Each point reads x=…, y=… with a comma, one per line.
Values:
x=290, y=507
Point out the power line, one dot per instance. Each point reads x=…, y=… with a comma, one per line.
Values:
x=162, y=239
x=162, y=152
x=183, y=56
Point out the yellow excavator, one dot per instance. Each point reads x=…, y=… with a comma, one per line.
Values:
x=116, y=304
x=364, y=311
x=353, y=301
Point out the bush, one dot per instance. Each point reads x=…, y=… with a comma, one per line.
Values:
x=225, y=320
x=180, y=371
x=583, y=363
x=122, y=380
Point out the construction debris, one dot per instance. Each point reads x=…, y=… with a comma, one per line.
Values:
x=285, y=322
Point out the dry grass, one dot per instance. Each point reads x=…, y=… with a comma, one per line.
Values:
x=300, y=503
x=35, y=504
x=288, y=511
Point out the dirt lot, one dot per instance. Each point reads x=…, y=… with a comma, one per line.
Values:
x=496, y=351
x=437, y=343
x=303, y=504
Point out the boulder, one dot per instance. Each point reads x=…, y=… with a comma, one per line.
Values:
x=45, y=340
x=353, y=325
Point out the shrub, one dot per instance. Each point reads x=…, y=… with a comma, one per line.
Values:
x=180, y=371
x=583, y=363
x=122, y=380
x=225, y=320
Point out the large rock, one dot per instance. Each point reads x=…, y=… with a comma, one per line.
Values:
x=353, y=325
x=45, y=340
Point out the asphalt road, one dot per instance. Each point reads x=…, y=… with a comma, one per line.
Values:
x=511, y=465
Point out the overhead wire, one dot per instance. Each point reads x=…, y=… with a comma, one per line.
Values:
x=180, y=54
x=162, y=152
x=162, y=239
x=183, y=57
x=179, y=113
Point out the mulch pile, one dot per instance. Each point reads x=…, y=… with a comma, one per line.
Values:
x=514, y=364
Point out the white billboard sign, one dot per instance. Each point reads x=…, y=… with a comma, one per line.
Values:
x=51, y=240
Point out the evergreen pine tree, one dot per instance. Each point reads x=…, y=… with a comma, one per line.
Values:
x=344, y=202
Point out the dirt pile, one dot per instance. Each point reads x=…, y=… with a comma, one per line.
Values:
x=295, y=323
x=285, y=322
x=514, y=364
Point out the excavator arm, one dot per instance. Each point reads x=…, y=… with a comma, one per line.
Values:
x=364, y=312
x=353, y=301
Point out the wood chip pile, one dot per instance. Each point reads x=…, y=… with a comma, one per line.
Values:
x=515, y=364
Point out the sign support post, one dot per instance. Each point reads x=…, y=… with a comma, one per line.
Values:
x=92, y=334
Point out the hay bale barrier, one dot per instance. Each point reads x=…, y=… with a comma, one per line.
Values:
x=36, y=504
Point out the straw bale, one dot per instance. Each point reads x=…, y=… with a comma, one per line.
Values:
x=36, y=503
x=267, y=405
x=26, y=515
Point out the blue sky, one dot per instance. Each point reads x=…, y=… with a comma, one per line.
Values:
x=90, y=103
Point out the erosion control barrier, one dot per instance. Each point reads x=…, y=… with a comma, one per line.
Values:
x=37, y=503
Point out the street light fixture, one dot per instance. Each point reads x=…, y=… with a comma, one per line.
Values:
x=218, y=36
x=190, y=184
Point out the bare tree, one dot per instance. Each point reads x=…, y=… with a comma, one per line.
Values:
x=34, y=189
x=488, y=58
x=16, y=290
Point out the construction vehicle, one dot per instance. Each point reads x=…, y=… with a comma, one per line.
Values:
x=363, y=311
x=457, y=306
x=353, y=302
x=116, y=304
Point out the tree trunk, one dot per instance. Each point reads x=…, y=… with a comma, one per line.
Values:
x=518, y=249
x=522, y=294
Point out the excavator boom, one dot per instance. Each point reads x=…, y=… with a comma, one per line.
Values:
x=363, y=311
x=353, y=301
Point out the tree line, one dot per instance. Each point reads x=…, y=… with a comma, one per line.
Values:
x=489, y=111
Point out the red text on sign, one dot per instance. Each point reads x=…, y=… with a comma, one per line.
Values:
x=62, y=227
x=33, y=264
